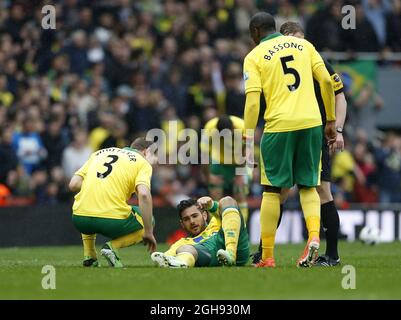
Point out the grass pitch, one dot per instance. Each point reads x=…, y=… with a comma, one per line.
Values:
x=378, y=276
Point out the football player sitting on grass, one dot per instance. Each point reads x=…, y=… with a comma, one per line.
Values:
x=222, y=241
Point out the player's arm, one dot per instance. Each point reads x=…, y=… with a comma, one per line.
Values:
x=251, y=112
x=75, y=183
x=251, y=115
x=341, y=113
x=322, y=76
x=341, y=109
x=253, y=89
x=340, y=101
x=340, y=105
x=142, y=188
x=145, y=206
x=211, y=206
x=78, y=177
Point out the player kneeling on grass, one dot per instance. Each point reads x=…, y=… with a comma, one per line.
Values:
x=104, y=184
x=222, y=241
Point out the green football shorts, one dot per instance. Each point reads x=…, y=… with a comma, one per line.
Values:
x=207, y=250
x=110, y=228
x=228, y=173
x=288, y=158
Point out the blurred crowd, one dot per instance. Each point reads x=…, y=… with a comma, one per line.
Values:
x=113, y=69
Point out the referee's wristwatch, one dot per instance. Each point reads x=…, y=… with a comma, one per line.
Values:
x=339, y=129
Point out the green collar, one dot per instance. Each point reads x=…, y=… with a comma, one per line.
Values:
x=271, y=36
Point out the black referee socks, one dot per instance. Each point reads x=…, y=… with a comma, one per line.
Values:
x=331, y=224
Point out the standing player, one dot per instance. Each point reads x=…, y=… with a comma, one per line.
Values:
x=222, y=241
x=284, y=68
x=329, y=215
x=104, y=184
x=222, y=178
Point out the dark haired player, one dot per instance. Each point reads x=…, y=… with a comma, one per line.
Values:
x=222, y=241
x=329, y=215
x=283, y=68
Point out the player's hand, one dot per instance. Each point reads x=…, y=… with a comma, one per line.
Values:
x=339, y=144
x=150, y=241
x=330, y=132
x=205, y=203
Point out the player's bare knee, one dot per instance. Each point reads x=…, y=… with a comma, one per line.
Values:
x=227, y=202
x=324, y=192
x=184, y=248
x=188, y=249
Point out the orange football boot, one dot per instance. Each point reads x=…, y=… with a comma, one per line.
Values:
x=267, y=263
x=310, y=253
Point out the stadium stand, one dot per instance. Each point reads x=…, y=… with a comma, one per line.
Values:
x=112, y=70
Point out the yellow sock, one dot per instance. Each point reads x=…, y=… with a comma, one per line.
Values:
x=88, y=241
x=310, y=203
x=243, y=207
x=188, y=258
x=269, y=215
x=231, y=224
x=127, y=240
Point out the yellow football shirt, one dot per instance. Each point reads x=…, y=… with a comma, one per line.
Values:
x=212, y=228
x=110, y=178
x=216, y=151
x=282, y=67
